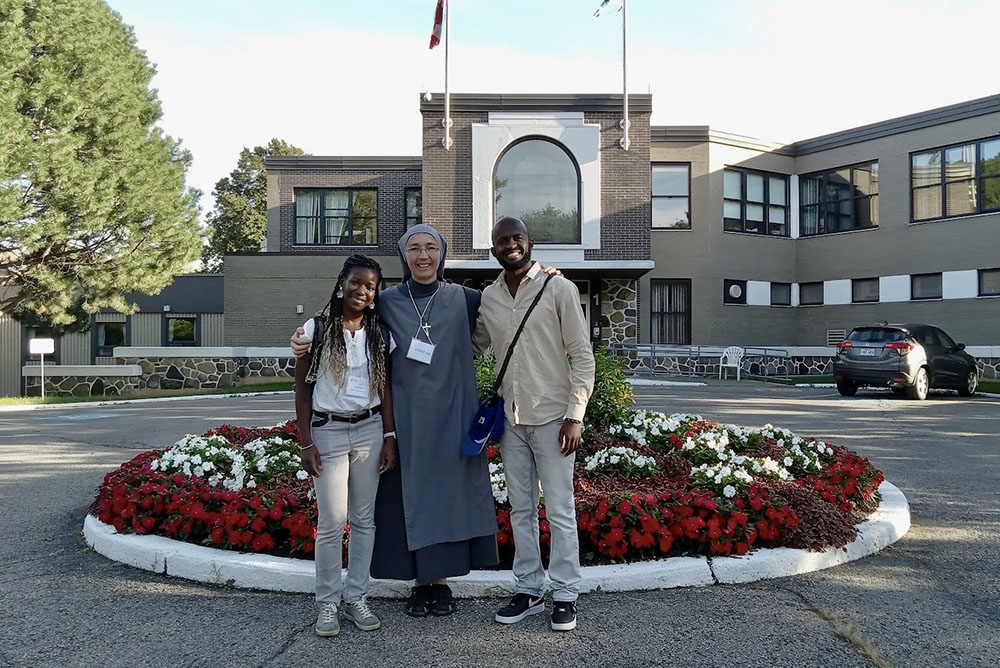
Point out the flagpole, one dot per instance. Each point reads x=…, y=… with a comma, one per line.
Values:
x=624, y=143
x=447, y=97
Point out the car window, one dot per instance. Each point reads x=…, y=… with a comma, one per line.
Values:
x=876, y=335
x=946, y=340
x=927, y=337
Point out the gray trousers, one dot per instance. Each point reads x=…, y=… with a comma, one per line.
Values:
x=346, y=490
x=532, y=454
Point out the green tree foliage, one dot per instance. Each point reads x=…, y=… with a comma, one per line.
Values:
x=238, y=223
x=92, y=197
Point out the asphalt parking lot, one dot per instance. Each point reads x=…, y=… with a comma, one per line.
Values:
x=929, y=600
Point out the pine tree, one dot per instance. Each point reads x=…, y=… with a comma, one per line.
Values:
x=238, y=223
x=93, y=203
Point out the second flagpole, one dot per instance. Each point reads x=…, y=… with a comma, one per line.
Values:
x=446, y=121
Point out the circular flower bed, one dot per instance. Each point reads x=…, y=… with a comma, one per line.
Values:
x=650, y=485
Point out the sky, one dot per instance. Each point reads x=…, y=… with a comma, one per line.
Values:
x=343, y=77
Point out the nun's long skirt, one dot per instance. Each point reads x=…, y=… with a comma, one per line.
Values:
x=392, y=558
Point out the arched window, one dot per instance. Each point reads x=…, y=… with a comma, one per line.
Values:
x=538, y=181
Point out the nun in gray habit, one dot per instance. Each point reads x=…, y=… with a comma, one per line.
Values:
x=434, y=513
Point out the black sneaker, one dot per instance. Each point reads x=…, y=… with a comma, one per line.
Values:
x=520, y=606
x=564, y=616
x=442, y=603
x=421, y=599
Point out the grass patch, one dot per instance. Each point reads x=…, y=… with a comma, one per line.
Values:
x=989, y=385
x=150, y=394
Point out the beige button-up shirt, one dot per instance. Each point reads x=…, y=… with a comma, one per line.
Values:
x=540, y=384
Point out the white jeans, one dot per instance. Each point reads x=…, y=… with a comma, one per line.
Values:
x=530, y=454
x=346, y=490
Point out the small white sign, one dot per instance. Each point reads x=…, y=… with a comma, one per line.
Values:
x=42, y=346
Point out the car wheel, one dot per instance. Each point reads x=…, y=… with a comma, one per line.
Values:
x=921, y=383
x=971, y=383
x=847, y=388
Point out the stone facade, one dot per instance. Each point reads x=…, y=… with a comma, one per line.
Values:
x=81, y=386
x=694, y=364
x=619, y=310
x=175, y=373
x=266, y=367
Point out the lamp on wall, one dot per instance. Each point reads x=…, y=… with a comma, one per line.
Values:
x=299, y=309
x=166, y=308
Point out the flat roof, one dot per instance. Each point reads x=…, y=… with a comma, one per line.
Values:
x=642, y=103
x=380, y=162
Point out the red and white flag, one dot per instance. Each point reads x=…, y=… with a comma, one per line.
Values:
x=438, y=21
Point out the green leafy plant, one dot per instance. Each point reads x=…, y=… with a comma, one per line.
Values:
x=611, y=403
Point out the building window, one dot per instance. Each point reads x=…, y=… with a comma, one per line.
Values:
x=182, y=331
x=989, y=282
x=811, y=294
x=925, y=286
x=538, y=181
x=670, y=311
x=109, y=335
x=864, y=290
x=755, y=202
x=839, y=200
x=781, y=294
x=671, y=201
x=414, y=210
x=955, y=180
x=327, y=217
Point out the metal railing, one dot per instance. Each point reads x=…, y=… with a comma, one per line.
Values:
x=649, y=359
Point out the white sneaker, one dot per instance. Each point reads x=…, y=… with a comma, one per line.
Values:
x=328, y=622
x=362, y=616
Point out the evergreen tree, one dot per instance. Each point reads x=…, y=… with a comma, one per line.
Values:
x=93, y=203
x=238, y=223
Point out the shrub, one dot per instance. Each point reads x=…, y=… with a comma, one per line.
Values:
x=611, y=403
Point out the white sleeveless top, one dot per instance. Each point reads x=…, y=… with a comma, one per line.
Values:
x=353, y=396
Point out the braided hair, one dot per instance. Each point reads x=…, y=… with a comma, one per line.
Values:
x=331, y=351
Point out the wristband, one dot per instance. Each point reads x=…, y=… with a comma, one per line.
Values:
x=306, y=447
x=573, y=420
x=388, y=434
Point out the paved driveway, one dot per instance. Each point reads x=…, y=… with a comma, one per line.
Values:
x=929, y=600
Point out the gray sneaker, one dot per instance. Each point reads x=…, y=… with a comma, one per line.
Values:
x=362, y=616
x=327, y=623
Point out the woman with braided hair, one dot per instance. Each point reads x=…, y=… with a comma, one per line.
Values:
x=343, y=402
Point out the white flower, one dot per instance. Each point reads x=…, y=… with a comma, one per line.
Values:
x=787, y=461
x=301, y=474
x=729, y=491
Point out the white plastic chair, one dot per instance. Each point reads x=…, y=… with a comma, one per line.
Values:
x=731, y=357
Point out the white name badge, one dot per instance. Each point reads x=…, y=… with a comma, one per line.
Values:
x=420, y=351
x=356, y=387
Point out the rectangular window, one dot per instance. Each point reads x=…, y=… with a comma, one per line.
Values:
x=109, y=335
x=989, y=282
x=925, y=286
x=839, y=200
x=955, y=180
x=811, y=294
x=781, y=294
x=671, y=185
x=414, y=213
x=182, y=331
x=328, y=217
x=670, y=311
x=864, y=290
x=755, y=202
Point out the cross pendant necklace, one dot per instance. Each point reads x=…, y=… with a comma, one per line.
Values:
x=427, y=329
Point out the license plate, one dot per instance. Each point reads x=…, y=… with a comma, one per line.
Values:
x=868, y=352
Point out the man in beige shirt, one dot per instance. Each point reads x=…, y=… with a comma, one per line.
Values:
x=545, y=398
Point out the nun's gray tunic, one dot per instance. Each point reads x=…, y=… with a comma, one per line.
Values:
x=434, y=514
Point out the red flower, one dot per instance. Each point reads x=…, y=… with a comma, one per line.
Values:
x=624, y=507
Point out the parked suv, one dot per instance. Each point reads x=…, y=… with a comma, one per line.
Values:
x=908, y=358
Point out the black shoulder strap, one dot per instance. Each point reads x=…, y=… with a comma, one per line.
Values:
x=517, y=334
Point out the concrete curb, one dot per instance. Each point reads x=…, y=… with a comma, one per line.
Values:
x=653, y=382
x=254, y=571
x=989, y=395
x=119, y=402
